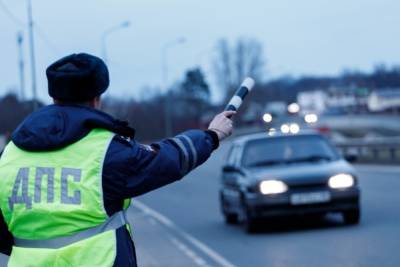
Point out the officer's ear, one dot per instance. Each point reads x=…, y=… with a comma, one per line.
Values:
x=96, y=102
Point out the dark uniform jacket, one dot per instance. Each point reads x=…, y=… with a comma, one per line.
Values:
x=130, y=169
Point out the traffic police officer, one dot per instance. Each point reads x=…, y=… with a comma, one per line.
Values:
x=69, y=171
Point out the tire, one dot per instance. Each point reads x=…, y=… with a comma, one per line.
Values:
x=351, y=217
x=249, y=222
x=231, y=218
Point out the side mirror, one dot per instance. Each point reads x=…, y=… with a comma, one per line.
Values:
x=351, y=158
x=230, y=168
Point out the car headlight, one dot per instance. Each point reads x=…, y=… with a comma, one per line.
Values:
x=342, y=180
x=272, y=187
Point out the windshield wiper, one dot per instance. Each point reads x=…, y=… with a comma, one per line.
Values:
x=266, y=163
x=310, y=158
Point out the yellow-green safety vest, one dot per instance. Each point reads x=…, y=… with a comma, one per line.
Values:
x=52, y=203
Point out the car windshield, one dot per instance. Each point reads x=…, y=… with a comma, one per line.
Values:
x=287, y=150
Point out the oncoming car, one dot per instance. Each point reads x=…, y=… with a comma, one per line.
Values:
x=283, y=175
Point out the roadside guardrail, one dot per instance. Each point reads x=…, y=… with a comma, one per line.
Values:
x=379, y=150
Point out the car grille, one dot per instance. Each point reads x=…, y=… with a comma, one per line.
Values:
x=309, y=186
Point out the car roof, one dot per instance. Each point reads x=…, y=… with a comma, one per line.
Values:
x=264, y=135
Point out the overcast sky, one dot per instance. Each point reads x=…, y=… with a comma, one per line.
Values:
x=299, y=37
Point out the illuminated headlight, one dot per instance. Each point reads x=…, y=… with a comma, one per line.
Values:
x=342, y=180
x=311, y=118
x=267, y=117
x=294, y=128
x=293, y=108
x=285, y=128
x=273, y=187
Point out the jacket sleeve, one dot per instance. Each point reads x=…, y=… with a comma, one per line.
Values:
x=132, y=169
x=6, y=239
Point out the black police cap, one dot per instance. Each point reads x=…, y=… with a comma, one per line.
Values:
x=77, y=77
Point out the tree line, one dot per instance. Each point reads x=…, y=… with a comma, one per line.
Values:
x=189, y=100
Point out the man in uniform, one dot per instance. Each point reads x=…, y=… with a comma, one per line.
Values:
x=68, y=173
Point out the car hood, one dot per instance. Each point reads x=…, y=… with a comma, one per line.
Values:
x=301, y=173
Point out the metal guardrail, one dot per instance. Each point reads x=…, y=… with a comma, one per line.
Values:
x=378, y=150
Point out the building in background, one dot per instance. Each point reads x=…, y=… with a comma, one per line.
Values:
x=384, y=100
x=312, y=101
x=334, y=101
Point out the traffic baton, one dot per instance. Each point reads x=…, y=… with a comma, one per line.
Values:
x=237, y=99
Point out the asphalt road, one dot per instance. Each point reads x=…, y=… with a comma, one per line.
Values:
x=192, y=205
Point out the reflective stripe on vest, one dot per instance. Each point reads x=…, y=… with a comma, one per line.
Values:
x=114, y=222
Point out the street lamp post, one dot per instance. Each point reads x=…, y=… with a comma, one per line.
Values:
x=164, y=65
x=32, y=54
x=106, y=33
x=21, y=66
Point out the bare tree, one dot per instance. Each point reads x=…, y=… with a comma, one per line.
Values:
x=233, y=63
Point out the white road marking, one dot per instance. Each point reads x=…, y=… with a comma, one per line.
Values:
x=152, y=221
x=147, y=210
x=190, y=253
x=192, y=240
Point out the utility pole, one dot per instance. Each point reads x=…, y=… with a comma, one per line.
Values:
x=32, y=54
x=21, y=66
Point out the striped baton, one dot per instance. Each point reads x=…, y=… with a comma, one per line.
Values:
x=240, y=94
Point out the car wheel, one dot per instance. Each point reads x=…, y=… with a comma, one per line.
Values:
x=249, y=222
x=351, y=216
x=231, y=218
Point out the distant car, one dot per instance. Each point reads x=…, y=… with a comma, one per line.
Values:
x=280, y=175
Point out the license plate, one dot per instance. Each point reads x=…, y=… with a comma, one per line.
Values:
x=310, y=198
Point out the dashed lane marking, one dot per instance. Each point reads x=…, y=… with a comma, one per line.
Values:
x=215, y=256
x=190, y=253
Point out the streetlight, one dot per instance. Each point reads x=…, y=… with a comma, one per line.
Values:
x=164, y=65
x=106, y=33
x=293, y=108
x=21, y=66
x=32, y=54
